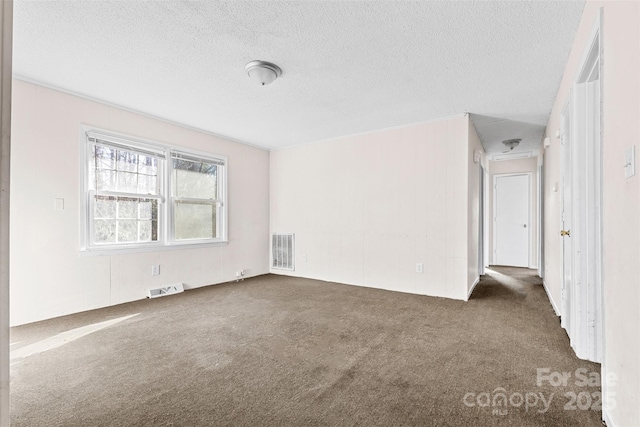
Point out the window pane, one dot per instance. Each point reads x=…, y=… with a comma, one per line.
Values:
x=105, y=231
x=125, y=171
x=127, y=230
x=136, y=219
x=105, y=207
x=127, y=208
x=195, y=221
x=105, y=157
x=145, y=209
x=105, y=180
x=194, y=180
x=127, y=182
x=147, y=184
x=127, y=161
x=147, y=165
x=146, y=228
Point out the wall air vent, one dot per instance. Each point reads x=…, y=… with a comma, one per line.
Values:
x=512, y=156
x=282, y=250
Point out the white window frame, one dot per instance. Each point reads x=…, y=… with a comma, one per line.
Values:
x=165, y=197
x=219, y=201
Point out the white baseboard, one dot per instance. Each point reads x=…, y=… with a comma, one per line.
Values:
x=553, y=303
x=608, y=419
x=472, y=288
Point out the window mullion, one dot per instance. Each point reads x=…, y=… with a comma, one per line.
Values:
x=168, y=211
x=196, y=200
x=117, y=219
x=95, y=166
x=130, y=195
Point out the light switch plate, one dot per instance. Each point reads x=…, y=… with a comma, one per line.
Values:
x=630, y=162
x=58, y=204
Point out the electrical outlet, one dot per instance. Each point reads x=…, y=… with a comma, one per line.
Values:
x=419, y=267
x=155, y=270
x=304, y=258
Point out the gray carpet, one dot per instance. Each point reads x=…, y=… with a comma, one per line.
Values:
x=280, y=351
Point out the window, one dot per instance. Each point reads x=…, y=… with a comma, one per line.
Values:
x=126, y=200
x=195, y=196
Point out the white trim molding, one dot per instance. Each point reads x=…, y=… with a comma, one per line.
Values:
x=472, y=288
x=553, y=303
x=608, y=418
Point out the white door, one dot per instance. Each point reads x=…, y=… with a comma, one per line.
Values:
x=511, y=220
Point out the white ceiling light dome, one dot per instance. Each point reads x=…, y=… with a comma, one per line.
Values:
x=263, y=72
x=510, y=144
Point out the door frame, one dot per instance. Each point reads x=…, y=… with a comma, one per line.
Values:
x=495, y=210
x=566, y=300
x=540, y=222
x=481, y=222
x=485, y=236
x=584, y=309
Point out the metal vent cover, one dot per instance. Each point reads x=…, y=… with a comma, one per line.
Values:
x=282, y=251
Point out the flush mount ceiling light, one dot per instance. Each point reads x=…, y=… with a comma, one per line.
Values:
x=511, y=144
x=263, y=72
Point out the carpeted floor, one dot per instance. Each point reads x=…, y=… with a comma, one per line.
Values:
x=280, y=351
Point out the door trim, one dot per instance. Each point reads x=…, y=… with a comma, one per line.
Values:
x=481, y=222
x=586, y=296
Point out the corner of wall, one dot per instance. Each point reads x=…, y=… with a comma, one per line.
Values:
x=551, y=300
x=475, y=158
x=608, y=418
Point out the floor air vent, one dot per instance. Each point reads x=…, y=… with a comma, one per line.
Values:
x=167, y=290
x=282, y=251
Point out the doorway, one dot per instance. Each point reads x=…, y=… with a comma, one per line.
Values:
x=512, y=228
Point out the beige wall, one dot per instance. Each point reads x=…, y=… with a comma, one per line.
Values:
x=621, y=197
x=365, y=209
x=49, y=275
x=517, y=166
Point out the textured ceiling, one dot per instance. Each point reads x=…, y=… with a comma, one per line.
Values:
x=348, y=67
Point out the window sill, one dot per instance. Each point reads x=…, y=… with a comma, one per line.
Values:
x=143, y=249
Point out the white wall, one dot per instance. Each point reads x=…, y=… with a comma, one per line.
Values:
x=6, y=42
x=517, y=166
x=621, y=216
x=49, y=275
x=365, y=209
